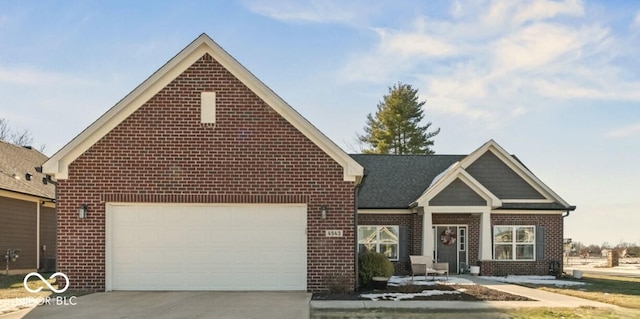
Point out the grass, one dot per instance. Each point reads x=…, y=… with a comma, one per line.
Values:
x=619, y=291
x=570, y=313
x=13, y=287
x=523, y=313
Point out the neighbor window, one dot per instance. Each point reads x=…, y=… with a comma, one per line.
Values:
x=382, y=239
x=514, y=242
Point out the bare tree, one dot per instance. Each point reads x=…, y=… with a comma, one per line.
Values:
x=22, y=138
x=17, y=137
x=5, y=132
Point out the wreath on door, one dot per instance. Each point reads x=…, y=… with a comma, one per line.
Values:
x=448, y=237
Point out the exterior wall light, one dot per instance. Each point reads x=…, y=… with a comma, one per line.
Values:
x=323, y=212
x=82, y=211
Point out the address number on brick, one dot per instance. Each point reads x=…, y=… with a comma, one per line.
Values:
x=334, y=232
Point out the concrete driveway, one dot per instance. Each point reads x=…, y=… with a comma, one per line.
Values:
x=180, y=304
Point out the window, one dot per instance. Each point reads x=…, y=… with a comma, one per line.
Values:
x=514, y=242
x=382, y=239
x=462, y=238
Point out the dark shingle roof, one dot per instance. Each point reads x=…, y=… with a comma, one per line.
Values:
x=394, y=181
x=15, y=163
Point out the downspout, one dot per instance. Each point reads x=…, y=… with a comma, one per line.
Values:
x=38, y=204
x=568, y=212
x=356, y=190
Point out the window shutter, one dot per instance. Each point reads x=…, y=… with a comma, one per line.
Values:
x=539, y=242
x=404, y=243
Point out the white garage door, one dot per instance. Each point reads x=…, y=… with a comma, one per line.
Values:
x=190, y=247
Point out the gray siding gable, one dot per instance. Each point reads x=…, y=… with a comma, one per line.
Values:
x=457, y=194
x=501, y=180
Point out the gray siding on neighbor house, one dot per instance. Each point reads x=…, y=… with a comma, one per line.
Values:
x=18, y=220
x=457, y=194
x=48, y=238
x=499, y=179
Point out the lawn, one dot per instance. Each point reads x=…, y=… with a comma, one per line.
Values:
x=12, y=286
x=620, y=291
x=526, y=313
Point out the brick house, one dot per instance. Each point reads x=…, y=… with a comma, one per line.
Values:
x=483, y=209
x=202, y=178
x=27, y=210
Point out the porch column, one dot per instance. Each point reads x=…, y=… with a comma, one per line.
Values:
x=485, y=236
x=427, y=234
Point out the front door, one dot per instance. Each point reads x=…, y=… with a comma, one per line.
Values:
x=446, y=239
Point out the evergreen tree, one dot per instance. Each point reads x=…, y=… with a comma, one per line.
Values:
x=395, y=128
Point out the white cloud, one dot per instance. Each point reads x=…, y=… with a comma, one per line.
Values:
x=409, y=44
x=625, y=131
x=490, y=61
x=635, y=24
x=315, y=11
x=30, y=76
x=542, y=9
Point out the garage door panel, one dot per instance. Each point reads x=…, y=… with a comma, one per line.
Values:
x=186, y=247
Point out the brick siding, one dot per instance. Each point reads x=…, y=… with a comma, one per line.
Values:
x=161, y=153
x=553, y=250
x=553, y=238
x=413, y=222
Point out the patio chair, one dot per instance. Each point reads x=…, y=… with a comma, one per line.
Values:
x=442, y=268
x=421, y=265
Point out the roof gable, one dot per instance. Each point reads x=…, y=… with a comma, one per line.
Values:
x=500, y=179
x=458, y=193
x=58, y=164
x=454, y=174
x=403, y=181
x=543, y=193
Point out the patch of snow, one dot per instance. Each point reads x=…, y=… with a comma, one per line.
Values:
x=427, y=281
x=535, y=280
x=397, y=296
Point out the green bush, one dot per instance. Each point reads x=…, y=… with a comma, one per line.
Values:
x=373, y=264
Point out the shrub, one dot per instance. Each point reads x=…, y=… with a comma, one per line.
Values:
x=373, y=264
x=339, y=284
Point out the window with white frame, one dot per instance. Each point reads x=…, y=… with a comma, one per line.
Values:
x=382, y=239
x=514, y=242
x=462, y=238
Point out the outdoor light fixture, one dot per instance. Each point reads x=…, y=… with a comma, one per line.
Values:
x=323, y=212
x=82, y=211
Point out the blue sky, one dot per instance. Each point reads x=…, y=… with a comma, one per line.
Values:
x=555, y=82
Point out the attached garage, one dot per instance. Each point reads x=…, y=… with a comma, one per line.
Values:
x=206, y=247
x=202, y=178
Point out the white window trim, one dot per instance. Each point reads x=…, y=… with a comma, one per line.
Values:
x=378, y=227
x=514, y=242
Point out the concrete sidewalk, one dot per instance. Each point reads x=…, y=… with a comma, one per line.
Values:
x=541, y=299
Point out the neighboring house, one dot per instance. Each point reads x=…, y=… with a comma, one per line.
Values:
x=27, y=210
x=485, y=209
x=202, y=178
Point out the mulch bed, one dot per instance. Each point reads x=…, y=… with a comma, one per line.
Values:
x=470, y=293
